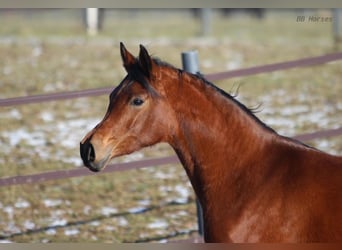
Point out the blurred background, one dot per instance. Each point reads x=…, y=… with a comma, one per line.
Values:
x=59, y=50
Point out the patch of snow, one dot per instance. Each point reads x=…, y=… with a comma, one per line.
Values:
x=158, y=224
x=110, y=228
x=77, y=161
x=122, y=222
x=29, y=225
x=339, y=106
x=10, y=211
x=7, y=70
x=49, y=87
x=233, y=65
x=15, y=114
x=34, y=139
x=315, y=118
x=162, y=175
x=133, y=157
x=57, y=213
x=52, y=203
x=6, y=241
x=327, y=146
x=235, y=62
x=22, y=203
x=71, y=232
x=95, y=223
x=292, y=110
x=280, y=122
x=182, y=213
x=58, y=222
x=179, y=214
x=86, y=209
x=145, y=202
x=323, y=144
x=183, y=192
x=137, y=210
x=37, y=51
x=12, y=228
x=72, y=131
x=207, y=63
x=266, y=99
x=106, y=211
x=15, y=137
x=51, y=231
x=47, y=116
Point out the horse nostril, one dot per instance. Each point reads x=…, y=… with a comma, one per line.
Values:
x=91, y=153
x=87, y=152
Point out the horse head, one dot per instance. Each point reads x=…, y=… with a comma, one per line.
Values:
x=136, y=115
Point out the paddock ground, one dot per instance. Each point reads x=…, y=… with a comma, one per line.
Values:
x=48, y=51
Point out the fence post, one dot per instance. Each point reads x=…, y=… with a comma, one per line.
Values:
x=337, y=26
x=93, y=19
x=206, y=15
x=190, y=64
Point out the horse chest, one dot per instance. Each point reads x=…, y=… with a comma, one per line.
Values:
x=262, y=227
x=257, y=222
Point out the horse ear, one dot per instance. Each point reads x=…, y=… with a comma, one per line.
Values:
x=145, y=61
x=127, y=58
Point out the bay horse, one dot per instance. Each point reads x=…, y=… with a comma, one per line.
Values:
x=253, y=184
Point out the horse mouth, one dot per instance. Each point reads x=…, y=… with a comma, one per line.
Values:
x=97, y=166
x=88, y=156
x=93, y=168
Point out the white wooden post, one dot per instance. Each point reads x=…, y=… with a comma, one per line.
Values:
x=92, y=21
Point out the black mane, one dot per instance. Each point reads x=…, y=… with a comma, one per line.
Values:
x=137, y=74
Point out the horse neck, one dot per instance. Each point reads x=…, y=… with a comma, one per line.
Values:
x=216, y=140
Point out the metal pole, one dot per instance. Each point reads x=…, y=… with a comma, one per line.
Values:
x=205, y=21
x=337, y=28
x=190, y=64
x=190, y=61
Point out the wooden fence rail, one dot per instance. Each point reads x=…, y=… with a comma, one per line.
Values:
x=80, y=171
x=310, y=61
x=77, y=172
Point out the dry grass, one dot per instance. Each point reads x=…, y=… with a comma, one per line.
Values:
x=40, y=55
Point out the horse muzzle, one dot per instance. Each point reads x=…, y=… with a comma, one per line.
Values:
x=88, y=156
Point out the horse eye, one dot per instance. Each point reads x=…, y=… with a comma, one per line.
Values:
x=137, y=102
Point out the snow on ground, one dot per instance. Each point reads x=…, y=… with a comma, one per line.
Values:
x=38, y=140
x=52, y=203
x=44, y=139
x=107, y=211
x=158, y=224
x=21, y=203
x=285, y=120
x=71, y=231
x=58, y=222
